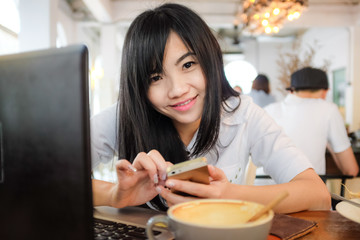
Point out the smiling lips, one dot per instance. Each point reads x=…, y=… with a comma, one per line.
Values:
x=184, y=106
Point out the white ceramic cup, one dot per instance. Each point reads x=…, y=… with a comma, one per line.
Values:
x=213, y=219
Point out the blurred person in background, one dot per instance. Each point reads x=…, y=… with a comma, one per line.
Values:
x=313, y=123
x=238, y=89
x=260, y=91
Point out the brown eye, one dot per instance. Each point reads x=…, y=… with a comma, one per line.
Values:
x=155, y=78
x=188, y=64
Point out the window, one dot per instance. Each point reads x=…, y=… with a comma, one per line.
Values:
x=9, y=26
x=240, y=73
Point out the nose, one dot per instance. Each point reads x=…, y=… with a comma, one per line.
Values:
x=177, y=87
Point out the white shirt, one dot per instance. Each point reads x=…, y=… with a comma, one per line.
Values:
x=311, y=123
x=261, y=98
x=247, y=131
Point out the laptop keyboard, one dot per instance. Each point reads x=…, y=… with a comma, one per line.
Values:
x=106, y=230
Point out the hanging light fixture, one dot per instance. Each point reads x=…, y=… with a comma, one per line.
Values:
x=268, y=16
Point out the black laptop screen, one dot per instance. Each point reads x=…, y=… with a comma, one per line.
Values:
x=45, y=185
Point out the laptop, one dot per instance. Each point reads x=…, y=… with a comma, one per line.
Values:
x=45, y=161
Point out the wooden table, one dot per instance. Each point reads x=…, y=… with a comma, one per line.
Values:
x=331, y=226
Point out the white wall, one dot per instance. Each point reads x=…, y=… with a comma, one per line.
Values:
x=37, y=24
x=263, y=55
x=334, y=46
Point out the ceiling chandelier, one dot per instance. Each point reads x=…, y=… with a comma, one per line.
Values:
x=268, y=16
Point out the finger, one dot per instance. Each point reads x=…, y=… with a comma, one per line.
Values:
x=163, y=179
x=160, y=162
x=125, y=171
x=192, y=188
x=216, y=173
x=169, y=164
x=164, y=193
x=172, y=198
x=144, y=162
x=124, y=164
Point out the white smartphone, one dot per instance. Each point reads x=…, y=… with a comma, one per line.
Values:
x=194, y=170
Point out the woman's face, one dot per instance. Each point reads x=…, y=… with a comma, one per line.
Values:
x=179, y=91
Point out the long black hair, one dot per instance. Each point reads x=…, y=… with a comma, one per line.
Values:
x=141, y=128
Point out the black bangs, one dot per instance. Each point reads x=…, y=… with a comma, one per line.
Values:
x=151, y=37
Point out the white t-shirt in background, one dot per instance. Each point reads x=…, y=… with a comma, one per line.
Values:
x=311, y=124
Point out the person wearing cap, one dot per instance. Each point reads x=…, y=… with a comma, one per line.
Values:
x=314, y=123
x=260, y=91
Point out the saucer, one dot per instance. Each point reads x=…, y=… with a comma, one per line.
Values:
x=349, y=211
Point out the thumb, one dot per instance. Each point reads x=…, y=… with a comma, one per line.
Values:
x=216, y=173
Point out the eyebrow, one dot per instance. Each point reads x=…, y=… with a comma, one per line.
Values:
x=184, y=56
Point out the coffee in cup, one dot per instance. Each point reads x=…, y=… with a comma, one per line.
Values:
x=214, y=219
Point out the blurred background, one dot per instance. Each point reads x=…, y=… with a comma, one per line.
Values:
x=273, y=38
x=321, y=33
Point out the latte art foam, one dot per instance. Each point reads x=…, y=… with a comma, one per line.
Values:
x=216, y=214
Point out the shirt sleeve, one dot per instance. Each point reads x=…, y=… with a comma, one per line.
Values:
x=337, y=137
x=272, y=149
x=103, y=136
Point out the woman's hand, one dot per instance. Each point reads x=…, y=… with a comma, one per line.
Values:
x=216, y=189
x=136, y=182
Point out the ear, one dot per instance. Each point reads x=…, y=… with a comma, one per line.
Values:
x=323, y=93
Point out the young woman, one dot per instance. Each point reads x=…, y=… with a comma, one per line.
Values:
x=175, y=104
